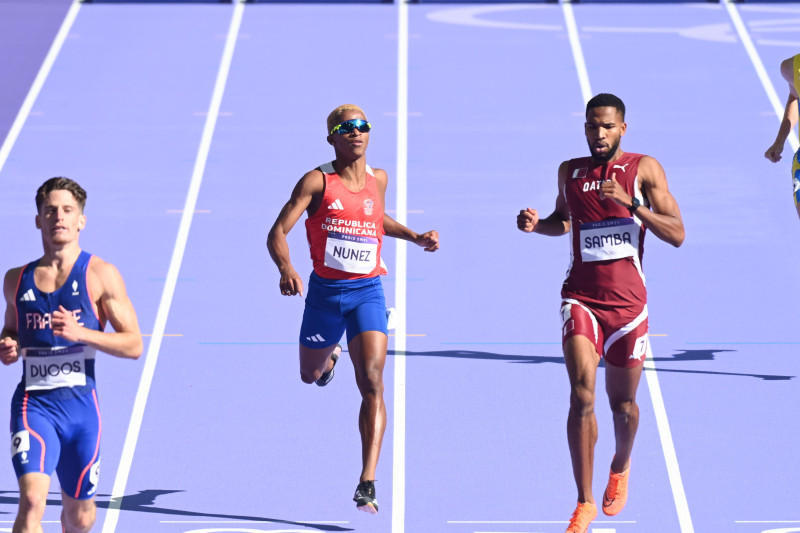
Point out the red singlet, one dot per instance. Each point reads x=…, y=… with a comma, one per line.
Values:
x=607, y=242
x=346, y=232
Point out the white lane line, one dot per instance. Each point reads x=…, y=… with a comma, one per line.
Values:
x=667, y=445
x=38, y=82
x=593, y=530
x=577, y=51
x=772, y=95
x=399, y=427
x=112, y=515
x=766, y=521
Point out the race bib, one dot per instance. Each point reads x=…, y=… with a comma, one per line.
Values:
x=20, y=442
x=609, y=239
x=351, y=253
x=52, y=368
x=94, y=478
x=640, y=347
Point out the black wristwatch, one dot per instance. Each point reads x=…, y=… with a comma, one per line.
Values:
x=635, y=203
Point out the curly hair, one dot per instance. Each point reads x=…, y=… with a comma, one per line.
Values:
x=606, y=100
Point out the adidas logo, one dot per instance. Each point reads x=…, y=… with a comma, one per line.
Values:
x=316, y=338
x=336, y=205
x=28, y=296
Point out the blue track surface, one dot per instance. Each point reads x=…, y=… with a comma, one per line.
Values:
x=27, y=28
x=232, y=441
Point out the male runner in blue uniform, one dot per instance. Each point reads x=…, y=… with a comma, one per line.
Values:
x=56, y=310
x=346, y=222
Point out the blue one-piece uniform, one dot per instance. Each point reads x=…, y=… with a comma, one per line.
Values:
x=55, y=415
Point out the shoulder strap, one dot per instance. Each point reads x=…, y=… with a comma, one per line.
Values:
x=327, y=168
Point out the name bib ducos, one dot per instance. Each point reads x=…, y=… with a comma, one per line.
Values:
x=351, y=253
x=609, y=239
x=52, y=368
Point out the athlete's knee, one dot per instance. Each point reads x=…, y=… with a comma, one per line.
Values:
x=623, y=407
x=32, y=504
x=370, y=380
x=581, y=400
x=309, y=373
x=79, y=519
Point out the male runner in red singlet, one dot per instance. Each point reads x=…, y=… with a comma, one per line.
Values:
x=344, y=200
x=790, y=70
x=56, y=310
x=606, y=202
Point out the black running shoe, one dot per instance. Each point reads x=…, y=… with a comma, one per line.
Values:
x=365, y=497
x=326, y=377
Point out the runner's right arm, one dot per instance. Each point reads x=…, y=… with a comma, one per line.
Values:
x=305, y=195
x=114, y=306
x=9, y=347
x=773, y=153
x=557, y=223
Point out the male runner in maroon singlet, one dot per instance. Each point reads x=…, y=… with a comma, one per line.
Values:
x=606, y=202
x=344, y=201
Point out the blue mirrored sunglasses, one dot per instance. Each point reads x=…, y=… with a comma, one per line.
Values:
x=349, y=126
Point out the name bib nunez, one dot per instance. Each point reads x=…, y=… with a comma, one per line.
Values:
x=51, y=368
x=351, y=253
x=609, y=239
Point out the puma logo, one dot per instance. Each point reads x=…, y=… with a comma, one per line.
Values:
x=620, y=166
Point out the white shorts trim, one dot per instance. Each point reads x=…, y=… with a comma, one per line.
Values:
x=567, y=304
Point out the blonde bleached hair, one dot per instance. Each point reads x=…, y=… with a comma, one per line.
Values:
x=336, y=114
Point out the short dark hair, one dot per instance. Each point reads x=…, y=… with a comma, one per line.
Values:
x=606, y=100
x=59, y=184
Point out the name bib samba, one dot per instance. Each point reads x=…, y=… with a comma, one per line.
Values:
x=52, y=368
x=351, y=253
x=609, y=239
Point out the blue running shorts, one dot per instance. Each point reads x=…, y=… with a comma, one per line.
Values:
x=334, y=306
x=57, y=430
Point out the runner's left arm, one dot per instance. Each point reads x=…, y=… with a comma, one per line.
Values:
x=664, y=220
x=773, y=153
x=115, y=305
x=428, y=240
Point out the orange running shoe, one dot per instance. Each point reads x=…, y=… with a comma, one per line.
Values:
x=616, y=493
x=581, y=518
